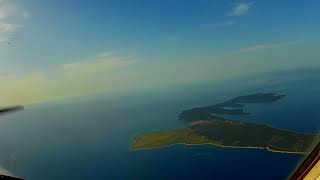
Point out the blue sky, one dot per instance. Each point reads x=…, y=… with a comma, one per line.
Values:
x=62, y=48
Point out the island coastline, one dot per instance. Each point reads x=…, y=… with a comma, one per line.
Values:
x=207, y=127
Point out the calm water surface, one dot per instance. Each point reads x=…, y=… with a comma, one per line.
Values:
x=89, y=138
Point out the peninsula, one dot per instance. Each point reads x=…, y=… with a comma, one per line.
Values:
x=206, y=126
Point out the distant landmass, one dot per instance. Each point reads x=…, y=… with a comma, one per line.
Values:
x=11, y=109
x=207, y=127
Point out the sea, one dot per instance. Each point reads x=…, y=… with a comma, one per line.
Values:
x=89, y=137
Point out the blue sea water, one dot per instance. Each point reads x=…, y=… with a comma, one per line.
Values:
x=89, y=138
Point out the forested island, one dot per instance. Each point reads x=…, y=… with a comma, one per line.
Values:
x=208, y=127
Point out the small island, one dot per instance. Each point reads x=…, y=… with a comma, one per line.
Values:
x=207, y=127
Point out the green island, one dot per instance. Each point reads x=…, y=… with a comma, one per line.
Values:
x=206, y=127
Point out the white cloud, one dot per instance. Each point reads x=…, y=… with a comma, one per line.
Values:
x=265, y=46
x=25, y=15
x=105, y=54
x=8, y=28
x=67, y=80
x=101, y=63
x=9, y=13
x=3, y=39
x=225, y=24
x=6, y=10
x=240, y=9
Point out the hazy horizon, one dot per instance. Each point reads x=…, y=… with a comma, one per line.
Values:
x=51, y=50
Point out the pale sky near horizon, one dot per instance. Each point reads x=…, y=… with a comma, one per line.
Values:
x=52, y=49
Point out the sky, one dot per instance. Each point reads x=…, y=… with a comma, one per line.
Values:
x=53, y=49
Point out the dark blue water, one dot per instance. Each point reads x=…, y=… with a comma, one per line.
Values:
x=89, y=138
